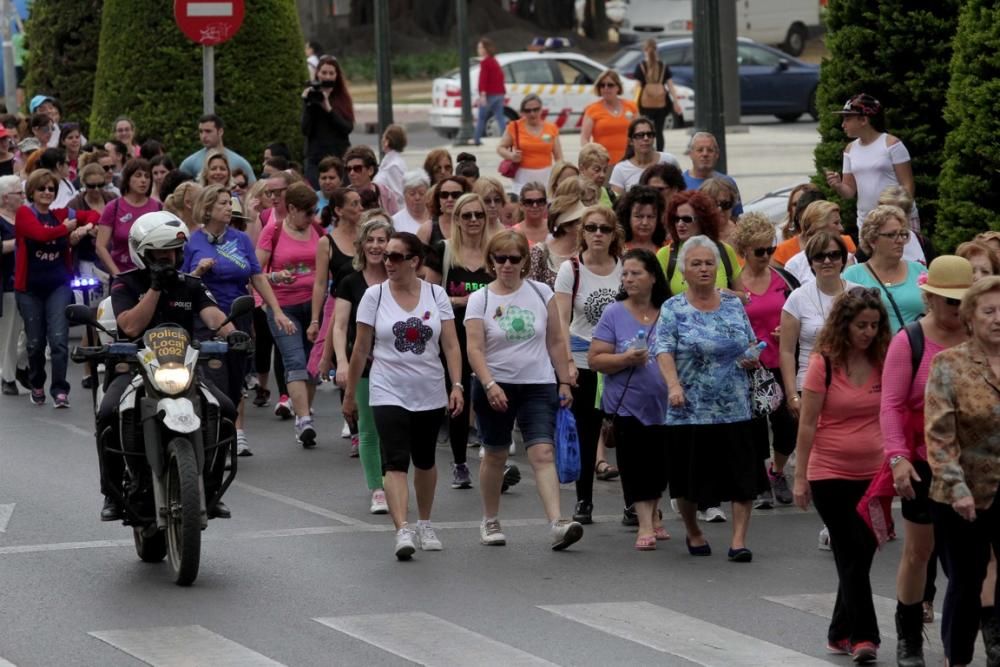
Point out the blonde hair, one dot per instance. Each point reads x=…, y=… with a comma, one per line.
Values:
x=608, y=74
x=457, y=239
x=508, y=238
x=557, y=171
x=873, y=223
x=201, y=211
x=593, y=155
x=175, y=202
x=753, y=229
x=214, y=154
x=816, y=214
x=617, y=244
x=897, y=195
x=372, y=221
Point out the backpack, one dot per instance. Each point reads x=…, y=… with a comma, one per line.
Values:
x=726, y=264
x=654, y=93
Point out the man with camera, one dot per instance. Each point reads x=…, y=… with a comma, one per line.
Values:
x=327, y=116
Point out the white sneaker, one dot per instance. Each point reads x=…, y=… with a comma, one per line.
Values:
x=428, y=538
x=379, y=504
x=346, y=431
x=712, y=515
x=405, y=543
x=490, y=533
x=512, y=450
x=824, y=539
x=242, y=448
x=565, y=533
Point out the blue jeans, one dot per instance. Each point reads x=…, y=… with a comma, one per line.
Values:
x=294, y=348
x=493, y=107
x=45, y=321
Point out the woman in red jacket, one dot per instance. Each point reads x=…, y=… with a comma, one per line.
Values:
x=43, y=270
x=491, y=90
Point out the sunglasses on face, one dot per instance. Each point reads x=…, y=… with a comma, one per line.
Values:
x=686, y=219
x=592, y=228
x=823, y=257
x=239, y=186
x=532, y=110
x=356, y=168
x=901, y=235
x=450, y=194
x=952, y=302
x=493, y=201
x=534, y=202
x=725, y=204
x=93, y=186
x=505, y=259
x=47, y=188
x=643, y=135
x=396, y=257
x=607, y=84
x=274, y=193
x=760, y=252
x=473, y=215
x=107, y=167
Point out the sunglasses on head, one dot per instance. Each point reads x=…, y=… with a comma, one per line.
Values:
x=760, y=252
x=643, y=135
x=473, y=215
x=592, y=228
x=450, y=194
x=686, y=219
x=821, y=257
x=396, y=257
x=505, y=259
x=356, y=168
x=534, y=202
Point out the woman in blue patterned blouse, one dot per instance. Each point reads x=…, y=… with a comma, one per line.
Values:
x=700, y=347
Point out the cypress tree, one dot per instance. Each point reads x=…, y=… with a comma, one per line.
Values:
x=970, y=179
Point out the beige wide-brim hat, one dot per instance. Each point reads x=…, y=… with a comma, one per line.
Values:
x=572, y=214
x=948, y=276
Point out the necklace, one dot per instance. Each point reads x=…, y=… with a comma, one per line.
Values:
x=819, y=298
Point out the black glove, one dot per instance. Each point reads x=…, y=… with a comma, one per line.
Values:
x=162, y=276
x=239, y=341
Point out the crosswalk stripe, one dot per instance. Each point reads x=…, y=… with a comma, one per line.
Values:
x=429, y=640
x=4, y=663
x=668, y=631
x=182, y=647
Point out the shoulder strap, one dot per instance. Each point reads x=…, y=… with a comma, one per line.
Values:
x=274, y=241
x=375, y=318
x=726, y=263
x=445, y=263
x=915, y=336
x=791, y=282
x=829, y=370
x=517, y=136
x=537, y=291
x=892, y=302
x=671, y=264
x=575, y=262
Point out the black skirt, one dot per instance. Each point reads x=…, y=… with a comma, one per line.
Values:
x=713, y=462
x=643, y=458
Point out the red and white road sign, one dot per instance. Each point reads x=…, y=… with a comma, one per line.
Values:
x=209, y=22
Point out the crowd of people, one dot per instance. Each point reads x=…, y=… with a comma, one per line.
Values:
x=708, y=347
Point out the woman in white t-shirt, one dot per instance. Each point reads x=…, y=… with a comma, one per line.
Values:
x=414, y=212
x=405, y=323
x=517, y=351
x=642, y=139
x=585, y=285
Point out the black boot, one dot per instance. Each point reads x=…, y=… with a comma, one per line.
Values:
x=909, y=629
x=990, y=625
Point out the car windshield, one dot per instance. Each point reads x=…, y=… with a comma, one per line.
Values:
x=625, y=61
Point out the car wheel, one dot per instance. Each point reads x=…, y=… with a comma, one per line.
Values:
x=811, y=106
x=788, y=117
x=795, y=41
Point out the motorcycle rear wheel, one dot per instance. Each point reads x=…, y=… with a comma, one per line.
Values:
x=183, y=511
x=152, y=549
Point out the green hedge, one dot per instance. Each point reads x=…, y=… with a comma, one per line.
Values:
x=61, y=59
x=970, y=178
x=406, y=67
x=148, y=70
x=899, y=51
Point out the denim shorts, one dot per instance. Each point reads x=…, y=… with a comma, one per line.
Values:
x=532, y=405
x=295, y=347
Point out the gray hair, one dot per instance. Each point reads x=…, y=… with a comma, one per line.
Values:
x=414, y=179
x=530, y=97
x=701, y=135
x=9, y=183
x=700, y=241
x=377, y=219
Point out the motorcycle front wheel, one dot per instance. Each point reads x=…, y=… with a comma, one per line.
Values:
x=151, y=547
x=183, y=511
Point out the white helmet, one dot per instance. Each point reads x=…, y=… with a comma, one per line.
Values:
x=160, y=230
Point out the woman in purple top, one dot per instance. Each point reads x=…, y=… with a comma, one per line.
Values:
x=118, y=216
x=767, y=289
x=634, y=390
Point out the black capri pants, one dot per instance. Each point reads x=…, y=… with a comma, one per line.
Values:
x=407, y=435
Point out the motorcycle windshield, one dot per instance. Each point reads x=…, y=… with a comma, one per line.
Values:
x=169, y=345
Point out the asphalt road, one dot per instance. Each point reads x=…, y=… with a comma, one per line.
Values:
x=304, y=575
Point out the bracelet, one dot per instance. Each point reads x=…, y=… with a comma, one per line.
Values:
x=457, y=385
x=565, y=383
x=270, y=277
x=314, y=322
x=490, y=385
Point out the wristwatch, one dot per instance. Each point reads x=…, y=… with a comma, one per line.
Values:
x=896, y=459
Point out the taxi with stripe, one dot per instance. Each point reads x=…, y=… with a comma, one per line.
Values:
x=564, y=81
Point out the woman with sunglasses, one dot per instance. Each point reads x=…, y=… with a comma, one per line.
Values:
x=666, y=179
x=725, y=196
x=517, y=351
x=438, y=165
x=883, y=238
x=819, y=216
x=839, y=452
x=607, y=120
x=443, y=197
x=768, y=289
x=369, y=269
x=361, y=167
x=118, y=216
x=563, y=240
x=533, y=202
x=532, y=143
x=286, y=251
x=641, y=139
x=458, y=265
x=42, y=274
x=584, y=287
x=405, y=323
x=494, y=197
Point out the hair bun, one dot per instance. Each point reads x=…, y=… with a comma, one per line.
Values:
x=465, y=157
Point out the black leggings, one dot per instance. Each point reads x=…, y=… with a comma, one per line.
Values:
x=458, y=427
x=264, y=348
x=588, y=428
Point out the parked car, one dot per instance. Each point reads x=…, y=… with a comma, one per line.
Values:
x=564, y=81
x=774, y=204
x=786, y=23
x=771, y=82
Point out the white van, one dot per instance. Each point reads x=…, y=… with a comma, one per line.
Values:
x=785, y=23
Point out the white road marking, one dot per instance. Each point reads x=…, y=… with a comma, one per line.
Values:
x=429, y=640
x=678, y=634
x=4, y=663
x=299, y=504
x=6, y=512
x=184, y=646
x=72, y=428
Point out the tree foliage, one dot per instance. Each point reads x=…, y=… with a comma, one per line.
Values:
x=899, y=51
x=148, y=70
x=61, y=60
x=970, y=178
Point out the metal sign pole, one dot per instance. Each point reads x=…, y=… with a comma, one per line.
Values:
x=9, y=73
x=208, y=78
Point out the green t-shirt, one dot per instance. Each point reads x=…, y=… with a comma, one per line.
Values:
x=677, y=282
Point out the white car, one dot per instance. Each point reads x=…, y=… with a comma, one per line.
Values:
x=564, y=81
x=774, y=204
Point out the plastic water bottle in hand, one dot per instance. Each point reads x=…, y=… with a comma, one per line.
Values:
x=639, y=342
x=752, y=353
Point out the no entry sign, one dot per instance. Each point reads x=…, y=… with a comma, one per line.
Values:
x=209, y=22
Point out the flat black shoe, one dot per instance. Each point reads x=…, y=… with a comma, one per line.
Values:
x=21, y=375
x=110, y=511
x=87, y=382
x=220, y=511
x=584, y=512
x=9, y=388
x=511, y=476
x=629, y=517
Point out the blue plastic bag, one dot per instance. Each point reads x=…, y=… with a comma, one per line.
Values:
x=567, y=447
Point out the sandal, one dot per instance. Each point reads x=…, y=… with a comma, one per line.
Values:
x=608, y=473
x=645, y=543
x=661, y=533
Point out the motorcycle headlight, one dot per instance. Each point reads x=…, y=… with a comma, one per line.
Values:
x=172, y=379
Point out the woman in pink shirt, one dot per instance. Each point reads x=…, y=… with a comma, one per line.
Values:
x=286, y=251
x=839, y=450
x=904, y=378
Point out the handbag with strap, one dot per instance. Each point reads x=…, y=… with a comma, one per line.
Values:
x=608, y=422
x=509, y=168
x=766, y=395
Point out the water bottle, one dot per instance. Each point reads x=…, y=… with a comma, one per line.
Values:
x=752, y=353
x=639, y=342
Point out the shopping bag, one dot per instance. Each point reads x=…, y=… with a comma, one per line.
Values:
x=567, y=447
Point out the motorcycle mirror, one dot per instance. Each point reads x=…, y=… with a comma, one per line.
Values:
x=242, y=305
x=80, y=314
